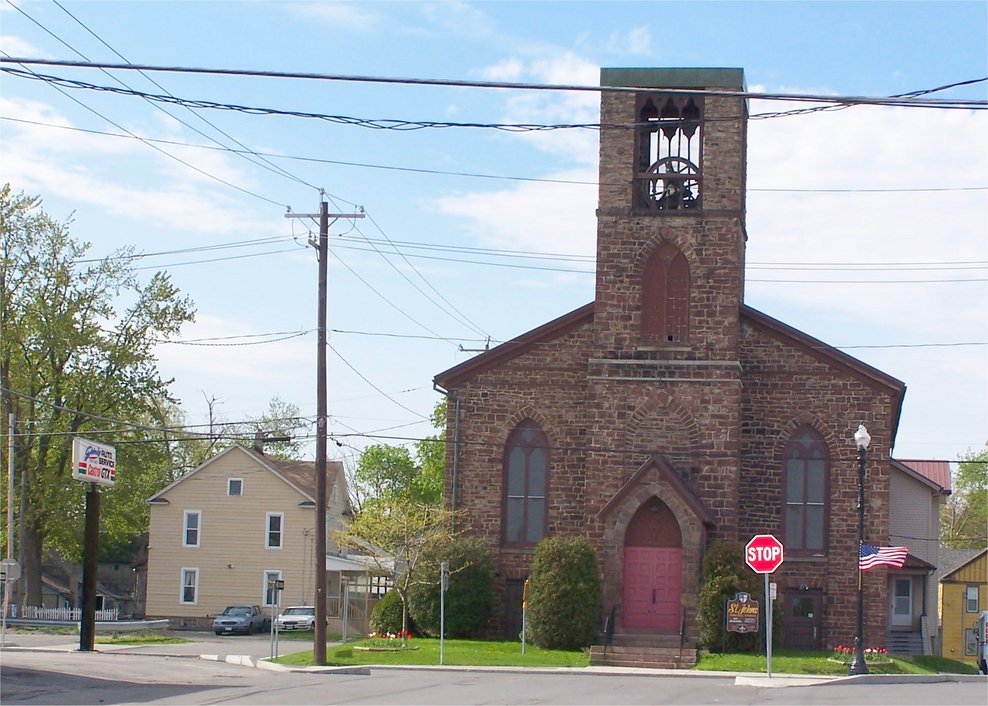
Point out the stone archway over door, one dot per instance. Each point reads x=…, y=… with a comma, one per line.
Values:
x=653, y=570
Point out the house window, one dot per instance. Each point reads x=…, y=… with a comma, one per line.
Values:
x=669, y=137
x=806, y=471
x=526, y=464
x=191, y=526
x=379, y=585
x=189, y=591
x=665, y=296
x=272, y=595
x=971, y=599
x=234, y=486
x=275, y=522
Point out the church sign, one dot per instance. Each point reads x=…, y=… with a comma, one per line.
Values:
x=742, y=614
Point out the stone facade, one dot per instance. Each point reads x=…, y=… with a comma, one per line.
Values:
x=699, y=425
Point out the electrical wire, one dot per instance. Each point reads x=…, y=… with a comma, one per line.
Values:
x=161, y=151
x=449, y=308
x=902, y=101
x=479, y=175
x=260, y=162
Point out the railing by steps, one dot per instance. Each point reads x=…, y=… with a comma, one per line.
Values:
x=31, y=612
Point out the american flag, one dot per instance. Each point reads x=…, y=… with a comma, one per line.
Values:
x=870, y=556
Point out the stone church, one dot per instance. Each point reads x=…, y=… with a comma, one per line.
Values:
x=667, y=414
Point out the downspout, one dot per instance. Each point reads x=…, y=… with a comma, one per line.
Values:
x=456, y=444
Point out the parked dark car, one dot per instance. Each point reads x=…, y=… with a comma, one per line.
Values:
x=242, y=619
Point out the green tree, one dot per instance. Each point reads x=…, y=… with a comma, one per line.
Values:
x=76, y=354
x=964, y=517
x=431, y=455
x=470, y=597
x=396, y=534
x=391, y=473
x=564, y=593
x=723, y=574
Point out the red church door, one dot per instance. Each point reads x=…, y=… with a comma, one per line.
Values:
x=652, y=577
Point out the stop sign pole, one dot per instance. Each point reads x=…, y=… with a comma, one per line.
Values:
x=764, y=554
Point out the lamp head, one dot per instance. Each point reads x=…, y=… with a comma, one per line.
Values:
x=861, y=437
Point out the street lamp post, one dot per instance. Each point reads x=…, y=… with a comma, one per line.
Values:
x=858, y=664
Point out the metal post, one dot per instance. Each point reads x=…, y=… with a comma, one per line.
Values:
x=768, y=626
x=87, y=626
x=443, y=587
x=858, y=664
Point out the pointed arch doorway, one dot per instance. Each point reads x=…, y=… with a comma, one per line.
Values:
x=653, y=570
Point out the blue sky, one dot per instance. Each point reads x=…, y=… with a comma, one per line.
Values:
x=396, y=321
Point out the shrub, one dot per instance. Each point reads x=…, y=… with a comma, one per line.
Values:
x=386, y=614
x=723, y=574
x=470, y=597
x=563, y=594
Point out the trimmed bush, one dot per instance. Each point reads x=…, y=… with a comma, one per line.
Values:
x=722, y=575
x=386, y=614
x=470, y=597
x=563, y=594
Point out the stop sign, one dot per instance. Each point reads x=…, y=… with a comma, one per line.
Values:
x=763, y=554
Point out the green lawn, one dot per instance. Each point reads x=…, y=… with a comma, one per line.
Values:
x=801, y=662
x=141, y=637
x=425, y=651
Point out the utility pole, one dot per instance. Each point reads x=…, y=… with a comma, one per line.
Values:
x=322, y=247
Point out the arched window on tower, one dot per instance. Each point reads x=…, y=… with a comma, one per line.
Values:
x=526, y=482
x=806, y=479
x=665, y=296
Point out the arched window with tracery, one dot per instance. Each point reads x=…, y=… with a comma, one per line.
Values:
x=526, y=483
x=665, y=296
x=806, y=479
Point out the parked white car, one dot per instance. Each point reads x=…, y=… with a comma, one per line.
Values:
x=298, y=617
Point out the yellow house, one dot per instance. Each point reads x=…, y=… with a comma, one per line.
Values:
x=963, y=596
x=222, y=533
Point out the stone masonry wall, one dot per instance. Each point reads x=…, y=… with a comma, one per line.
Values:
x=785, y=387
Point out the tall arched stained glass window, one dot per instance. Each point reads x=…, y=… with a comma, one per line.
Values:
x=526, y=483
x=807, y=475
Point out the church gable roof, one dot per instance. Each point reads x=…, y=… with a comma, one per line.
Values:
x=516, y=346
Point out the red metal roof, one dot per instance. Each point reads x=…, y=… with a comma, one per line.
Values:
x=936, y=471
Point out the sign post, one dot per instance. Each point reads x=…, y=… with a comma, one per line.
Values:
x=764, y=554
x=95, y=464
x=443, y=587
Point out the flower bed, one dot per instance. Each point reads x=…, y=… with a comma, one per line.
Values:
x=872, y=655
x=386, y=642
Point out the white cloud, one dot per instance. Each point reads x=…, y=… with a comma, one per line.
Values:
x=338, y=15
x=17, y=47
x=547, y=217
x=637, y=41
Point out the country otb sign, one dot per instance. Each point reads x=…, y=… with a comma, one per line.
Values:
x=94, y=463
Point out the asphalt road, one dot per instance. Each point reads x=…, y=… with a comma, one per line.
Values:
x=57, y=673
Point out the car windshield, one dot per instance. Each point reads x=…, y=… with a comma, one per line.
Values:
x=300, y=611
x=237, y=610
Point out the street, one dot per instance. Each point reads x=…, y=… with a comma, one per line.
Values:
x=174, y=674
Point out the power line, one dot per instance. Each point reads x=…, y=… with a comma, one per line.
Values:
x=161, y=151
x=406, y=125
x=477, y=175
x=449, y=309
x=901, y=101
x=263, y=163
